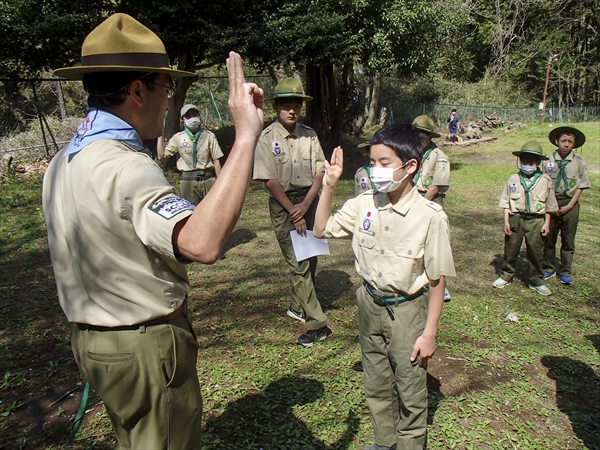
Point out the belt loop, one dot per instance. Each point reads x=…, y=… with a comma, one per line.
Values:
x=142, y=329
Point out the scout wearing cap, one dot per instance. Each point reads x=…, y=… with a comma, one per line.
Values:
x=111, y=217
x=527, y=200
x=289, y=161
x=362, y=177
x=569, y=174
x=199, y=155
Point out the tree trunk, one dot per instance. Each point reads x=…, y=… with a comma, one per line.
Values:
x=371, y=106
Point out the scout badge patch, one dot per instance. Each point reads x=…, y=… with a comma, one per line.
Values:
x=550, y=167
x=169, y=207
x=513, y=187
x=363, y=183
x=427, y=181
x=368, y=216
x=276, y=148
x=538, y=206
x=184, y=142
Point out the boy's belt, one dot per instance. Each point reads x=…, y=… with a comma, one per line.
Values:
x=149, y=323
x=529, y=216
x=197, y=175
x=297, y=192
x=389, y=299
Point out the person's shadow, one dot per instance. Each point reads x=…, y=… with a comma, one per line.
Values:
x=578, y=394
x=266, y=421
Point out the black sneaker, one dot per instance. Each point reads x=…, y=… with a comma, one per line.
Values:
x=296, y=315
x=312, y=336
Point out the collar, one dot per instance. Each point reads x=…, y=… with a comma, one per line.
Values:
x=285, y=133
x=100, y=124
x=569, y=157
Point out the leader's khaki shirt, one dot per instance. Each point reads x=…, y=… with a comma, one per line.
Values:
x=576, y=170
x=207, y=150
x=541, y=200
x=434, y=171
x=397, y=248
x=110, y=215
x=293, y=159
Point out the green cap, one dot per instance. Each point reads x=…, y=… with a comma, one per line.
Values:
x=290, y=88
x=579, y=136
x=531, y=148
x=367, y=135
x=426, y=124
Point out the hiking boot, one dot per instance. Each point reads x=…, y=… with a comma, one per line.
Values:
x=541, y=289
x=446, y=295
x=379, y=447
x=499, y=283
x=566, y=279
x=312, y=336
x=549, y=275
x=296, y=315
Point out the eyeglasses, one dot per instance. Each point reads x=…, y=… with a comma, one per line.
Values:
x=170, y=89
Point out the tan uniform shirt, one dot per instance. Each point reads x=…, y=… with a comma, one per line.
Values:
x=397, y=248
x=293, y=159
x=362, y=181
x=541, y=200
x=207, y=150
x=576, y=170
x=434, y=171
x=110, y=215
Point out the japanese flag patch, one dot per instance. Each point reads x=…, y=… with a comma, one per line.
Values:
x=363, y=182
x=513, y=187
x=276, y=147
x=550, y=166
x=369, y=214
x=169, y=207
x=184, y=142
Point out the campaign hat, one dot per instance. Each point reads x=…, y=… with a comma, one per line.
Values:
x=367, y=135
x=426, y=124
x=290, y=88
x=531, y=148
x=556, y=132
x=122, y=44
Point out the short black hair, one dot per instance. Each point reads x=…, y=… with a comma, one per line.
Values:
x=403, y=139
x=454, y=110
x=107, y=89
x=527, y=158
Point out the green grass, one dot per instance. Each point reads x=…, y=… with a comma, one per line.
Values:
x=494, y=384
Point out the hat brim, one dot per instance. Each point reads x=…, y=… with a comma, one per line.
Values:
x=363, y=145
x=77, y=72
x=429, y=132
x=579, y=136
x=306, y=98
x=544, y=158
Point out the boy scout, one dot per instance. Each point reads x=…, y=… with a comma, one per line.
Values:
x=199, y=154
x=119, y=235
x=362, y=177
x=569, y=174
x=289, y=160
x=527, y=199
x=402, y=250
x=433, y=178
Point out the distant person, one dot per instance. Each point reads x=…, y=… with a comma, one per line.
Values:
x=199, y=155
x=453, y=123
x=402, y=251
x=528, y=200
x=289, y=160
x=362, y=177
x=569, y=174
x=120, y=237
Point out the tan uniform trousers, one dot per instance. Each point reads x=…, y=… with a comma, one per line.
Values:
x=304, y=297
x=195, y=190
x=528, y=226
x=567, y=227
x=396, y=389
x=148, y=381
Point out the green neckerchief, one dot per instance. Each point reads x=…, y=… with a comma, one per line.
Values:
x=432, y=147
x=194, y=138
x=368, y=170
x=531, y=183
x=562, y=173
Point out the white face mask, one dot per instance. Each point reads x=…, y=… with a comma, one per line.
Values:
x=193, y=123
x=383, y=178
x=527, y=170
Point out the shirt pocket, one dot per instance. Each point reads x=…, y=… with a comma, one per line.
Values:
x=366, y=251
x=283, y=158
x=408, y=260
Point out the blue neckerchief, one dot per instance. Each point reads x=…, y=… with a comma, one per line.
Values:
x=100, y=124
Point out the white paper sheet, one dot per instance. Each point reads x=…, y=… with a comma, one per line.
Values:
x=308, y=246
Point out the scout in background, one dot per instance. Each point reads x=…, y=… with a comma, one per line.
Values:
x=569, y=174
x=199, y=154
x=402, y=251
x=527, y=199
x=289, y=160
x=453, y=122
x=362, y=180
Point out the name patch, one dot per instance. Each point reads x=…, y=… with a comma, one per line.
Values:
x=169, y=207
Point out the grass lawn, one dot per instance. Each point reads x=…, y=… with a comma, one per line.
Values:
x=493, y=383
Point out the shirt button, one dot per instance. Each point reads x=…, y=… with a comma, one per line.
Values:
x=391, y=211
x=379, y=274
x=410, y=252
x=382, y=252
x=362, y=241
x=387, y=228
x=295, y=161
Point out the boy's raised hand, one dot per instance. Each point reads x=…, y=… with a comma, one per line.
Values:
x=334, y=169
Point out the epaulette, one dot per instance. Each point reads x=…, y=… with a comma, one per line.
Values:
x=268, y=129
x=306, y=126
x=434, y=206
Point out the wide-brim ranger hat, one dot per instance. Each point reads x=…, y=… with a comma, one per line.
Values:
x=426, y=124
x=122, y=44
x=367, y=135
x=290, y=88
x=531, y=148
x=556, y=132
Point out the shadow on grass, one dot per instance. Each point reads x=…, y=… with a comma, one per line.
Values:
x=266, y=420
x=240, y=236
x=330, y=285
x=577, y=394
x=522, y=268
